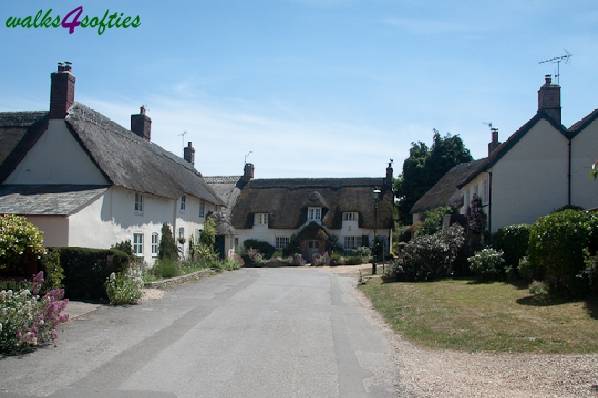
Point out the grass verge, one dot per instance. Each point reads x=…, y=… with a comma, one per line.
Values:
x=497, y=317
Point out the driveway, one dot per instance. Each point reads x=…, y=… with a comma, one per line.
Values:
x=288, y=332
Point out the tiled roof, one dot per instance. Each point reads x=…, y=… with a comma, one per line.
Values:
x=47, y=199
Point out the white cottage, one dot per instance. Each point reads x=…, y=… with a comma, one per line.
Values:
x=542, y=167
x=86, y=181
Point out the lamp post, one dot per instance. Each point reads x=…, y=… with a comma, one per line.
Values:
x=376, y=196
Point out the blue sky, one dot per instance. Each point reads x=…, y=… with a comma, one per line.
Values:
x=312, y=87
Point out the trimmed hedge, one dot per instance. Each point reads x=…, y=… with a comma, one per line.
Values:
x=513, y=240
x=86, y=270
x=558, y=246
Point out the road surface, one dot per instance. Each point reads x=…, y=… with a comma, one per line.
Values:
x=287, y=332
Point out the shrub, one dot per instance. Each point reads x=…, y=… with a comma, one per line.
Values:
x=167, y=249
x=252, y=258
x=293, y=246
x=557, y=248
x=539, y=291
x=26, y=320
x=85, y=271
x=429, y=257
x=19, y=238
x=125, y=246
x=124, y=287
x=277, y=254
x=353, y=260
x=362, y=252
x=265, y=248
x=433, y=220
x=230, y=264
x=208, y=235
x=487, y=263
x=166, y=268
x=52, y=268
x=513, y=241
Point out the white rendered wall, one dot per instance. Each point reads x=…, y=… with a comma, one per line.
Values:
x=54, y=228
x=189, y=220
x=530, y=180
x=584, y=152
x=56, y=158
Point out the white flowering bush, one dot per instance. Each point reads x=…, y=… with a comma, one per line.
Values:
x=18, y=237
x=487, y=263
x=28, y=320
x=125, y=287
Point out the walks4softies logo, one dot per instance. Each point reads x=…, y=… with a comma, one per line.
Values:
x=74, y=19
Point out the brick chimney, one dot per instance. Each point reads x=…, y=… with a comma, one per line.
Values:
x=494, y=143
x=389, y=172
x=141, y=124
x=549, y=99
x=189, y=153
x=62, y=91
x=248, y=172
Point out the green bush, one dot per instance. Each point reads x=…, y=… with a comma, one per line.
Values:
x=19, y=239
x=487, y=264
x=124, y=287
x=265, y=248
x=166, y=268
x=429, y=257
x=433, y=220
x=50, y=262
x=167, y=250
x=125, y=246
x=513, y=241
x=558, y=246
x=208, y=234
x=86, y=270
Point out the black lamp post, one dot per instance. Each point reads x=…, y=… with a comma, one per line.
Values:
x=376, y=196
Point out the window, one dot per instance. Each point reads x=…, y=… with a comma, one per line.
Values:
x=181, y=233
x=202, y=208
x=314, y=214
x=282, y=242
x=138, y=202
x=183, y=202
x=138, y=244
x=313, y=244
x=486, y=193
x=261, y=218
x=351, y=242
x=350, y=216
x=236, y=244
x=198, y=235
x=155, y=244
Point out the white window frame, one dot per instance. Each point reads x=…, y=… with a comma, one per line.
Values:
x=352, y=242
x=261, y=218
x=155, y=243
x=350, y=216
x=198, y=232
x=138, y=206
x=138, y=244
x=183, y=203
x=282, y=242
x=202, y=208
x=181, y=234
x=314, y=214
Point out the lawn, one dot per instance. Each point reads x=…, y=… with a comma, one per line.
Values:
x=497, y=317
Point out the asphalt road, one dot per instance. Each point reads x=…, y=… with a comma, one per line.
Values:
x=250, y=333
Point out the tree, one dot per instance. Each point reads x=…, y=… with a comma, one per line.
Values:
x=167, y=249
x=424, y=167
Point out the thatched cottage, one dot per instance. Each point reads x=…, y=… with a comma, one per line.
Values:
x=87, y=181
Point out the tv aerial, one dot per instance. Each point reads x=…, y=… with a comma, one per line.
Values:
x=247, y=155
x=182, y=135
x=557, y=60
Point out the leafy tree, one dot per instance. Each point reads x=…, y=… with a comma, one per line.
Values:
x=208, y=235
x=167, y=249
x=425, y=166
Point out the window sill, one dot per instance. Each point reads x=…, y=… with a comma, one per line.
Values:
x=138, y=213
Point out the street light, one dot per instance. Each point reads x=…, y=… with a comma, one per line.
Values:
x=376, y=196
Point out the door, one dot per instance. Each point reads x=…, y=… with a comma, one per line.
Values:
x=219, y=246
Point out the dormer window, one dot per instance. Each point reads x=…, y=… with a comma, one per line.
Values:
x=261, y=218
x=350, y=216
x=314, y=214
x=138, y=202
x=183, y=202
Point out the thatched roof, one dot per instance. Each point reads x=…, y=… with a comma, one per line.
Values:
x=445, y=193
x=227, y=188
x=47, y=199
x=125, y=159
x=286, y=201
x=13, y=126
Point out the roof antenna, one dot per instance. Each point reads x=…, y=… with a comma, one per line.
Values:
x=489, y=124
x=557, y=60
x=182, y=135
x=246, y=156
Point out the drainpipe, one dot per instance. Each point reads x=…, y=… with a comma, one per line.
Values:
x=569, y=174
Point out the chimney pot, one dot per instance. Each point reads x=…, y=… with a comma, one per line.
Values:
x=248, y=172
x=141, y=124
x=548, y=79
x=62, y=91
x=549, y=99
x=494, y=143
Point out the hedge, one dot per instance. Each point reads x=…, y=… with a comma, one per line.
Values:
x=86, y=270
x=513, y=241
x=265, y=248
